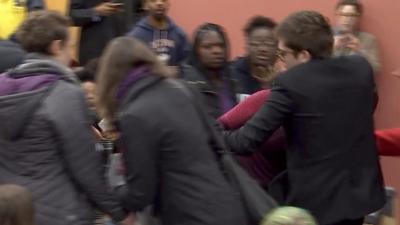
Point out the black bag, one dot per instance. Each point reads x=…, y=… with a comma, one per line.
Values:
x=255, y=199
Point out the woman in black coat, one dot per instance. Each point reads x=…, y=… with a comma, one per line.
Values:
x=169, y=161
x=207, y=69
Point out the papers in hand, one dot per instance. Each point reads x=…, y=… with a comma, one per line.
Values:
x=115, y=172
x=241, y=97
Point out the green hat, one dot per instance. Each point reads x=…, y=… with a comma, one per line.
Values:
x=289, y=216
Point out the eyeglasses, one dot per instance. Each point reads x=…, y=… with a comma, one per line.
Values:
x=283, y=53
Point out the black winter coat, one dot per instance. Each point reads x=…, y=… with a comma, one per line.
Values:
x=210, y=98
x=170, y=163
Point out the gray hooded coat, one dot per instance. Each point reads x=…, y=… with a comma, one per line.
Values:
x=46, y=145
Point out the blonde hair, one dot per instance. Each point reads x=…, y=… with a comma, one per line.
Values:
x=121, y=56
x=289, y=216
x=16, y=205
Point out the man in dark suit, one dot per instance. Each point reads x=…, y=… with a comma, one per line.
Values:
x=101, y=21
x=325, y=105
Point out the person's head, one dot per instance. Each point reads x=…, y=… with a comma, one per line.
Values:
x=289, y=216
x=46, y=32
x=87, y=76
x=120, y=57
x=348, y=13
x=157, y=9
x=303, y=36
x=261, y=43
x=210, y=46
x=16, y=205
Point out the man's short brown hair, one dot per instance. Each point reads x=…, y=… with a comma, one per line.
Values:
x=40, y=29
x=307, y=30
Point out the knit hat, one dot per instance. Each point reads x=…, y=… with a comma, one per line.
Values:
x=289, y=216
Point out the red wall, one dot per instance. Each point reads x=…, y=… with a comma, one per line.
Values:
x=381, y=18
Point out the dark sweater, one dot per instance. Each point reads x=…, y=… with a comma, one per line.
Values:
x=269, y=161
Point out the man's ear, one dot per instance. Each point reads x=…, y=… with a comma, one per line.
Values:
x=55, y=47
x=304, y=56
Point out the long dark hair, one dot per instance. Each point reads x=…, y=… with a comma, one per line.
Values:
x=121, y=56
x=194, y=59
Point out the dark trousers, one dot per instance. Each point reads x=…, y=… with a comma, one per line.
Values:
x=349, y=222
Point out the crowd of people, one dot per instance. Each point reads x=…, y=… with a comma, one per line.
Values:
x=133, y=135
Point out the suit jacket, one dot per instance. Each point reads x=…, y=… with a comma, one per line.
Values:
x=97, y=30
x=326, y=108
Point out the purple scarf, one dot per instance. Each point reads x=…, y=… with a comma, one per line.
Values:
x=224, y=95
x=10, y=86
x=133, y=76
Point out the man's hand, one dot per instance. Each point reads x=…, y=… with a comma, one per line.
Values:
x=112, y=135
x=280, y=66
x=354, y=43
x=341, y=41
x=107, y=9
x=174, y=71
x=265, y=74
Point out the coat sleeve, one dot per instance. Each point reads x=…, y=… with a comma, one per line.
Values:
x=141, y=161
x=245, y=110
x=388, y=142
x=76, y=140
x=81, y=15
x=257, y=130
